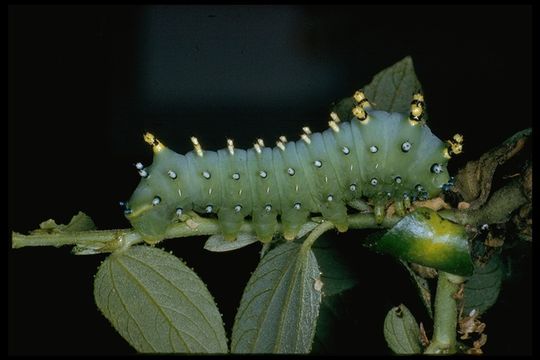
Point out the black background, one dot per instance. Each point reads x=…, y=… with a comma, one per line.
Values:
x=84, y=83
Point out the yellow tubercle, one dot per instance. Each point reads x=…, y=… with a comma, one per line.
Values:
x=360, y=114
x=418, y=97
x=150, y=139
x=446, y=153
x=416, y=110
x=257, y=148
x=305, y=138
x=359, y=96
x=334, y=117
x=197, y=147
x=455, y=146
x=230, y=146
x=332, y=124
x=458, y=138
x=361, y=99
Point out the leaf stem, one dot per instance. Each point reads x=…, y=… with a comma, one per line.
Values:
x=316, y=233
x=445, y=317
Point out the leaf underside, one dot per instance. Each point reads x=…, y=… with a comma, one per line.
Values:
x=390, y=90
x=483, y=287
x=401, y=331
x=158, y=304
x=280, y=305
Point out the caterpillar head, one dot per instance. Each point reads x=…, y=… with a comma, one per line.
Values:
x=149, y=213
x=149, y=209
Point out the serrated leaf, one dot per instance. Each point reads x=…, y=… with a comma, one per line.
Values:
x=401, y=331
x=158, y=304
x=392, y=89
x=483, y=287
x=280, y=305
x=217, y=243
x=423, y=237
x=79, y=222
x=336, y=273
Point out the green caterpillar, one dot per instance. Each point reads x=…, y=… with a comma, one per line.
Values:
x=379, y=156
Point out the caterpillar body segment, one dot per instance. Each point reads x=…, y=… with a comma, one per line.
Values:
x=382, y=157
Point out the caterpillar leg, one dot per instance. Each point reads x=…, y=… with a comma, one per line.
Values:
x=400, y=207
x=230, y=222
x=336, y=212
x=379, y=210
x=265, y=224
x=407, y=201
x=292, y=220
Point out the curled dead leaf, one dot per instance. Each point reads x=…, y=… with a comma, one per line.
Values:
x=493, y=241
x=434, y=204
x=470, y=324
x=458, y=296
x=424, y=271
x=423, y=336
x=463, y=205
x=477, y=346
x=473, y=182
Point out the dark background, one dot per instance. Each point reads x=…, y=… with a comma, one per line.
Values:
x=84, y=83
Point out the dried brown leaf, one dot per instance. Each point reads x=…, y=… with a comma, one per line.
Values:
x=473, y=182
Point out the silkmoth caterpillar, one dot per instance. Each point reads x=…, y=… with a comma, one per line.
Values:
x=375, y=155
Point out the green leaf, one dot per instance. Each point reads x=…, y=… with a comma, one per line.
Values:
x=423, y=237
x=483, y=287
x=79, y=222
x=280, y=305
x=390, y=90
x=344, y=107
x=158, y=304
x=336, y=273
x=217, y=243
x=401, y=331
